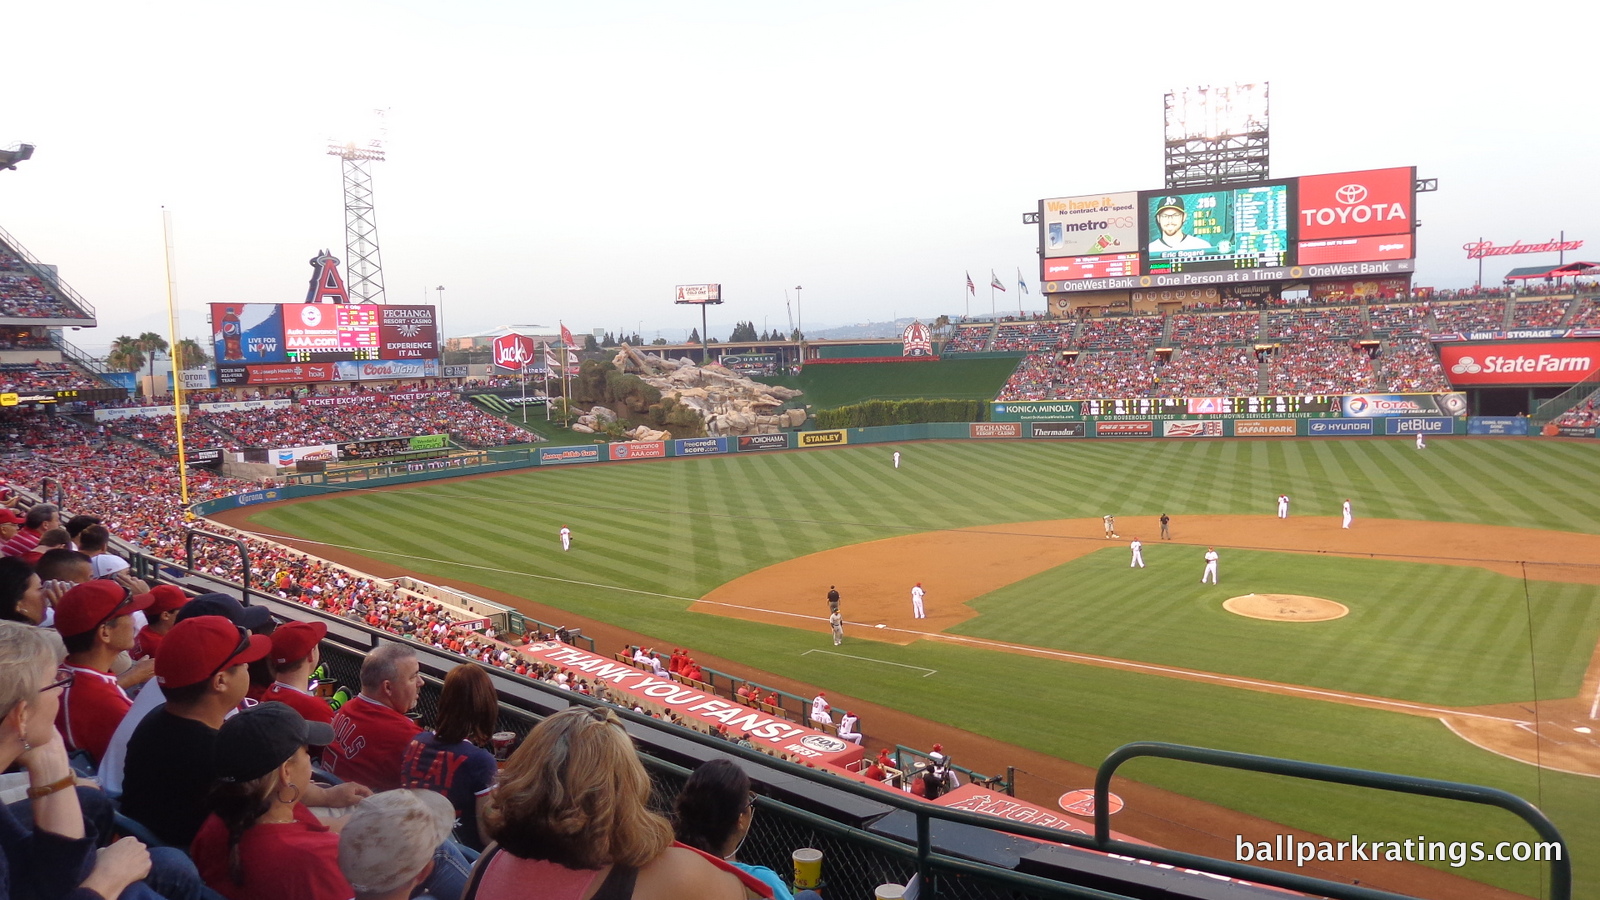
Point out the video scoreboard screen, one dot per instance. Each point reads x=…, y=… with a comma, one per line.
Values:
x=1211, y=406
x=258, y=333
x=1236, y=228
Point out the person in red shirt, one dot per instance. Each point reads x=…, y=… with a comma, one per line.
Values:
x=95, y=620
x=294, y=657
x=162, y=614
x=41, y=517
x=372, y=731
x=283, y=852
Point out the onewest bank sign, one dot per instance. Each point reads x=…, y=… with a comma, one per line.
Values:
x=1547, y=362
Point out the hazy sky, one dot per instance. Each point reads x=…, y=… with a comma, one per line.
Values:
x=576, y=160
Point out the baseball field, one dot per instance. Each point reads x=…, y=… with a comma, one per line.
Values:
x=1471, y=577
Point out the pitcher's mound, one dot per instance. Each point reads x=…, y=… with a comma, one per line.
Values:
x=1286, y=607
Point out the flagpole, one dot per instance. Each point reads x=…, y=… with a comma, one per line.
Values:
x=1020, y=289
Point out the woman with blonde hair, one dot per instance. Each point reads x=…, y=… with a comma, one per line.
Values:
x=570, y=816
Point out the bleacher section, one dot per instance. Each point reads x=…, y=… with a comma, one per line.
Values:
x=1031, y=336
x=1210, y=329
x=1411, y=365
x=970, y=338
x=1315, y=323
x=1210, y=372
x=1120, y=333
x=43, y=376
x=1400, y=319
x=1475, y=315
x=24, y=294
x=1321, y=368
x=1539, y=313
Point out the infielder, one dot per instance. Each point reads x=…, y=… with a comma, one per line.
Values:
x=566, y=538
x=897, y=459
x=1422, y=443
x=1283, y=506
x=819, y=711
x=1211, y=566
x=1138, y=554
x=1165, y=521
x=916, y=602
x=1111, y=526
x=1347, y=512
x=836, y=622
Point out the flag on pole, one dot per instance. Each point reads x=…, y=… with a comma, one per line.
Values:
x=971, y=288
x=994, y=282
x=566, y=339
x=550, y=362
x=1021, y=285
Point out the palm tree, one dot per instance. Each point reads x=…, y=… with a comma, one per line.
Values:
x=125, y=355
x=152, y=343
x=191, y=355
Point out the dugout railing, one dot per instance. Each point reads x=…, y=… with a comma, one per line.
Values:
x=872, y=836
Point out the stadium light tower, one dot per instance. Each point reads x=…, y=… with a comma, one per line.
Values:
x=364, y=264
x=14, y=154
x=1216, y=135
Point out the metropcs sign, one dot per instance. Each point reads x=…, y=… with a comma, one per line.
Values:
x=1564, y=362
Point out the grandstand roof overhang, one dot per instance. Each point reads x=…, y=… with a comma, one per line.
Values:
x=1526, y=273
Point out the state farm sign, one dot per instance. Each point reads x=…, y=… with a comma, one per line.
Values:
x=1553, y=362
x=1352, y=204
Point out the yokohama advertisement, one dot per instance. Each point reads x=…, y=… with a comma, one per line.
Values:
x=1554, y=362
x=752, y=442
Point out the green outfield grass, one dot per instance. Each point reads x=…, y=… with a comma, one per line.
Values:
x=676, y=529
x=828, y=386
x=1438, y=634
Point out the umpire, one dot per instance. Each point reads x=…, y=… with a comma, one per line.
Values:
x=833, y=599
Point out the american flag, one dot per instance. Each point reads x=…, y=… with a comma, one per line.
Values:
x=971, y=288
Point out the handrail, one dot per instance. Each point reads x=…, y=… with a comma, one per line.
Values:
x=189, y=534
x=1560, y=866
x=38, y=272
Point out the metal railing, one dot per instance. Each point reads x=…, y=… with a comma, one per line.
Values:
x=39, y=272
x=1549, y=410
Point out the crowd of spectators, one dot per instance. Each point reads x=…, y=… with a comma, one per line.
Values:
x=1209, y=372
x=1321, y=367
x=1411, y=365
x=1478, y=315
x=23, y=295
x=1031, y=336
x=1105, y=373
x=1584, y=415
x=1033, y=379
x=1120, y=333
x=1316, y=323
x=1189, y=330
x=1588, y=315
x=970, y=338
x=1398, y=318
x=45, y=376
x=1538, y=313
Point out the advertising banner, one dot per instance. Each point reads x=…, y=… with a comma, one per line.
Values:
x=1108, y=265
x=407, y=332
x=1567, y=362
x=331, y=328
x=1192, y=276
x=1517, y=425
x=1357, y=249
x=698, y=293
x=764, y=442
x=638, y=450
x=252, y=497
x=1057, y=429
x=1033, y=410
x=456, y=371
x=995, y=429
x=1265, y=428
x=1345, y=427
x=831, y=438
x=130, y=412
x=410, y=396
x=1575, y=431
x=1217, y=230
x=1378, y=405
x=1373, y=289
x=1124, y=429
x=1191, y=428
x=346, y=400
x=429, y=442
x=699, y=446
x=1354, y=204
x=1090, y=225
x=554, y=455
x=198, y=379
x=916, y=341
x=247, y=333
x=284, y=457
x=286, y=373
x=1419, y=425
x=203, y=458
x=244, y=405
x=513, y=351
x=382, y=371
x=375, y=448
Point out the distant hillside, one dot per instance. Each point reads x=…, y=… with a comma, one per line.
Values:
x=830, y=386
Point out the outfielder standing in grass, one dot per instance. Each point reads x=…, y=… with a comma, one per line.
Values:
x=1211, y=566
x=1138, y=553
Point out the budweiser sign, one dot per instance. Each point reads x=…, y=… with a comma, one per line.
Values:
x=1481, y=249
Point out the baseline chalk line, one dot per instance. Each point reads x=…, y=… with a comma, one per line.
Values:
x=871, y=659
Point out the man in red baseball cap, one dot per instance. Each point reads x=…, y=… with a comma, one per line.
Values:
x=165, y=601
x=10, y=522
x=95, y=620
x=294, y=657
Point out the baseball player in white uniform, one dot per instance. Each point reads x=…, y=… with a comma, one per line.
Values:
x=897, y=459
x=820, y=714
x=836, y=622
x=916, y=602
x=1211, y=566
x=566, y=538
x=850, y=728
x=1138, y=554
x=1283, y=506
x=1347, y=512
x=1422, y=443
x=1111, y=526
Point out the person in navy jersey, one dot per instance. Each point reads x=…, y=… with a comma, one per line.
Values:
x=451, y=758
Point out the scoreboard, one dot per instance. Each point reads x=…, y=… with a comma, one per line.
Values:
x=1212, y=406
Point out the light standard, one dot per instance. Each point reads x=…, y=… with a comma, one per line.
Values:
x=441, y=335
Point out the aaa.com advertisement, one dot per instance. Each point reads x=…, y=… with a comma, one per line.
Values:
x=1549, y=362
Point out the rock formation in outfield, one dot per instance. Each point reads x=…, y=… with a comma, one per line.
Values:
x=730, y=403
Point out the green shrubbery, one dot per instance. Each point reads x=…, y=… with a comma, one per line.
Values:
x=900, y=412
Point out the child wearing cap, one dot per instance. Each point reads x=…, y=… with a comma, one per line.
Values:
x=162, y=614
x=294, y=657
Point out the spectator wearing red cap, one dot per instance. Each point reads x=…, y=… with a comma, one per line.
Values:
x=162, y=614
x=294, y=657
x=95, y=620
x=41, y=517
x=169, y=768
x=9, y=523
x=372, y=731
